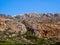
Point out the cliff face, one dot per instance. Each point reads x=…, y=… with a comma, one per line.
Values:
x=38, y=24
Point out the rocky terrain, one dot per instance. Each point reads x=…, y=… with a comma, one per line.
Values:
x=41, y=24
x=30, y=26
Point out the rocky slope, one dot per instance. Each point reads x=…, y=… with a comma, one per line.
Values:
x=39, y=25
x=11, y=24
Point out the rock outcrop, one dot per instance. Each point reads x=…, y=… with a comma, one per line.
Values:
x=38, y=24
x=11, y=24
x=41, y=24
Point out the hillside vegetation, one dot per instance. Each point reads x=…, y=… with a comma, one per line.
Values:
x=30, y=28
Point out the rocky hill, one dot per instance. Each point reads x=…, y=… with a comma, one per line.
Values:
x=11, y=24
x=39, y=25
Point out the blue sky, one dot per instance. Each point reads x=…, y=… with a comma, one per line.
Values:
x=13, y=7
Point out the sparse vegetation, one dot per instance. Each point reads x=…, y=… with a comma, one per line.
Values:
x=27, y=38
x=30, y=28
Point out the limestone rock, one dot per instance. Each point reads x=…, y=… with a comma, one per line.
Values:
x=41, y=24
x=11, y=25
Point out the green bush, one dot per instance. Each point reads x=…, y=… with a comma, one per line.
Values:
x=34, y=40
